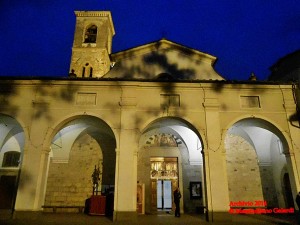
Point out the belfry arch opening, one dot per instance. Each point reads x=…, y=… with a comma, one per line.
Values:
x=90, y=35
x=257, y=164
x=80, y=146
x=170, y=156
x=12, y=142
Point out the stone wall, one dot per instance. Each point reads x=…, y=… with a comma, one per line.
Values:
x=191, y=173
x=269, y=190
x=70, y=184
x=244, y=179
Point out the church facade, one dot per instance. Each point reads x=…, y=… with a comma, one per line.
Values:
x=151, y=119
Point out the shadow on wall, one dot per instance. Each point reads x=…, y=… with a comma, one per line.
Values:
x=41, y=92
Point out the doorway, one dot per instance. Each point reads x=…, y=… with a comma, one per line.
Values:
x=7, y=191
x=164, y=194
x=289, y=200
x=164, y=180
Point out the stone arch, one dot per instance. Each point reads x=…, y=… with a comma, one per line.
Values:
x=274, y=127
x=171, y=137
x=52, y=131
x=199, y=132
x=256, y=151
x=90, y=34
x=12, y=144
x=79, y=145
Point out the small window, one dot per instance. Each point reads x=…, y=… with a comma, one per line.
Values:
x=11, y=159
x=90, y=34
x=87, y=70
x=83, y=71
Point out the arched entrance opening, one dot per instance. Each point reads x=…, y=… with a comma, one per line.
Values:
x=170, y=156
x=12, y=142
x=80, y=146
x=256, y=158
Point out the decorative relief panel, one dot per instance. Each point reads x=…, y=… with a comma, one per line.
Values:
x=86, y=98
x=250, y=102
x=128, y=101
x=211, y=103
x=170, y=100
x=164, y=168
x=163, y=140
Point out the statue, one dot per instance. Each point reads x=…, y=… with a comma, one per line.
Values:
x=96, y=179
x=72, y=74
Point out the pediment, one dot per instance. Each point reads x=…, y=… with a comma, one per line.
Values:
x=164, y=60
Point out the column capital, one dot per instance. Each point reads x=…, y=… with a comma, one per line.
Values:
x=211, y=104
x=128, y=101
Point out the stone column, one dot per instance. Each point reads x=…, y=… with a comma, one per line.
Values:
x=126, y=174
x=42, y=180
x=31, y=187
x=215, y=165
x=293, y=132
x=293, y=164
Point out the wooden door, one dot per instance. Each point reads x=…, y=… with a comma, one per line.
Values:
x=153, y=195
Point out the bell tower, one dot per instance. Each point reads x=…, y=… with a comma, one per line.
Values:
x=92, y=44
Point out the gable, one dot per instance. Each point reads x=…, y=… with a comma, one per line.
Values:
x=163, y=59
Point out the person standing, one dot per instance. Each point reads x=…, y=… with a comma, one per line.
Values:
x=177, y=196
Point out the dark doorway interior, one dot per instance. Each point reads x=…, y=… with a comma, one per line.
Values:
x=289, y=200
x=7, y=191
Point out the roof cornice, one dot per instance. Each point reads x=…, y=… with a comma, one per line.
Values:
x=161, y=44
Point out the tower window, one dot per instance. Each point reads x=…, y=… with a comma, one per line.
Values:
x=87, y=70
x=91, y=71
x=90, y=35
x=83, y=71
x=11, y=159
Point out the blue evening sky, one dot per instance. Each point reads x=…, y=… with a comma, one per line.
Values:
x=36, y=36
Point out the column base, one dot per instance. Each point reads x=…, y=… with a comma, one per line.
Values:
x=125, y=216
x=218, y=217
x=27, y=214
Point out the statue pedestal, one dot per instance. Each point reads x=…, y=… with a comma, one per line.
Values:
x=97, y=205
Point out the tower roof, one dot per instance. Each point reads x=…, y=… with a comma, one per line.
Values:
x=97, y=14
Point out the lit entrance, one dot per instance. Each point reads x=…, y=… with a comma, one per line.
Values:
x=164, y=194
x=170, y=149
x=164, y=180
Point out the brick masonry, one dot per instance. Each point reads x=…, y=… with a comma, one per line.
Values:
x=70, y=184
x=244, y=178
